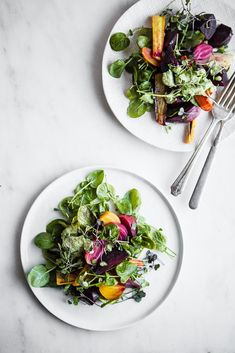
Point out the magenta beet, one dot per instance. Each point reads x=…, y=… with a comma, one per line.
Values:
x=202, y=52
x=97, y=251
x=129, y=222
x=123, y=233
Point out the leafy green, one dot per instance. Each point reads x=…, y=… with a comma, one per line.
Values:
x=192, y=39
x=84, y=216
x=116, y=68
x=44, y=241
x=92, y=252
x=105, y=192
x=119, y=41
x=124, y=206
x=95, y=178
x=111, y=232
x=134, y=197
x=39, y=276
x=65, y=207
x=56, y=227
x=125, y=269
x=168, y=79
x=143, y=41
x=110, y=280
x=136, y=108
x=75, y=243
x=132, y=93
x=129, y=203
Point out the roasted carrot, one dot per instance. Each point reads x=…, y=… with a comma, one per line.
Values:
x=190, y=133
x=204, y=103
x=160, y=103
x=68, y=279
x=137, y=262
x=147, y=55
x=158, y=31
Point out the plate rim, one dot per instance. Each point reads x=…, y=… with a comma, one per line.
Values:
x=104, y=68
x=166, y=201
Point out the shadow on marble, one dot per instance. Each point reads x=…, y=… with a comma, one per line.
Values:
x=99, y=46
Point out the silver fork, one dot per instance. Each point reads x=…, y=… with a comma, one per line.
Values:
x=221, y=112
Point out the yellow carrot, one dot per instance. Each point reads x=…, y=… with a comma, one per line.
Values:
x=158, y=32
x=190, y=134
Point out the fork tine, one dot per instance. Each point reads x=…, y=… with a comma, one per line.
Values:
x=226, y=89
x=229, y=97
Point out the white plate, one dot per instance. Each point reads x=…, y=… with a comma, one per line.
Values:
x=157, y=211
x=146, y=127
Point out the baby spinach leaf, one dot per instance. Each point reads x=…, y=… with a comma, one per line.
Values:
x=44, y=241
x=105, y=192
x=134, y=197
x=131, y=93
x=125, y=269
x=38, y=276
x=116, y=68
x=124, y=206
x=136, y=108
x=65, y=208
x=95, y=178
x=119, y=41
x=56, y=227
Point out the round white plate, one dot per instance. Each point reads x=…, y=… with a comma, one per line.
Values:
x=146, y=127
x=157, y=211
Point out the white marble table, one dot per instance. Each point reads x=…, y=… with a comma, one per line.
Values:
x=54, y=118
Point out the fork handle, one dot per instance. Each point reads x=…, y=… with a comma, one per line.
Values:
x=179, y=184
x=197, y=192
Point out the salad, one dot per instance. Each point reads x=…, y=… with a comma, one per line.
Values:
x=175, y=65
x=95, y=251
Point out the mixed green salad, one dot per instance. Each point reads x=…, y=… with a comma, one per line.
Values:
x=175, y=65
x=94, y=252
